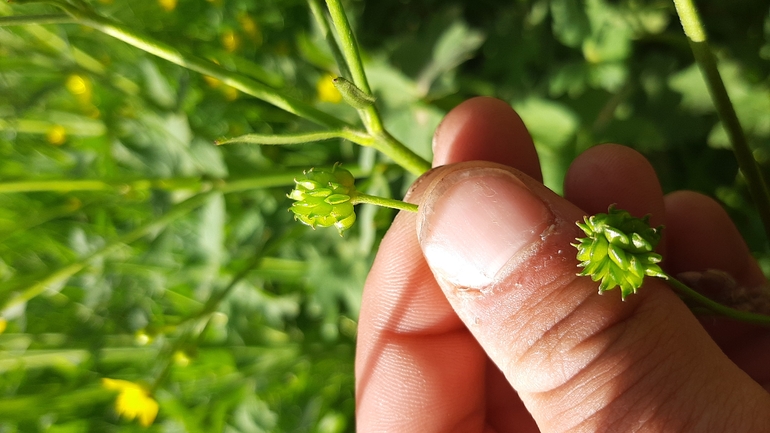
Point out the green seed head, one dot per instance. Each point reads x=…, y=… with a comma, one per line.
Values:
x=323, y=198
x=618, y=250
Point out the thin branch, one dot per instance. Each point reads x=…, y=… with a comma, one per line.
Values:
x=357, y=137
x=360, y=198
x=696, y=33
x=349, y=45
x=384, y=141
x=62, y=274
x=194, y=63
x=323, y=24
x=715, y=307
x=36, y=19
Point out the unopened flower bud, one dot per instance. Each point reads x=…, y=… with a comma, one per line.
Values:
x=354, y=96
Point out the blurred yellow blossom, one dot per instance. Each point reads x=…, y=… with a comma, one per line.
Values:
x=168, y=5
x=230, y=41
x=134, y=401
x=251, y=28
x=231, y=93
x=181, y=359
x=326, y=90
x=78, y=85
x=3, y=325
x=56, y=135
x=211, y=81
x=142, y=338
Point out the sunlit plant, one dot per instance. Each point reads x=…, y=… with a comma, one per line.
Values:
x=618, y=249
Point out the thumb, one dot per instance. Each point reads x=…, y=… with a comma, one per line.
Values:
x=498, y=243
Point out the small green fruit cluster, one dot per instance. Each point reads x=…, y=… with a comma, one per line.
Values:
x=618, y=250
x=323, y=198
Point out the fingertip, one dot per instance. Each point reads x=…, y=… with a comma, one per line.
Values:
x=613, y=174
x=702, y=236
x=485, y=129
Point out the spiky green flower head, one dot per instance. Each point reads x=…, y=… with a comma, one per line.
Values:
x=323, y=198
x=618, y=250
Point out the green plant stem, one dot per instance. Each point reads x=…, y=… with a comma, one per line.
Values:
x=167, y=52
x=264, y=180
x=320, y=17
x=369, y=115
x=60, y=275
x=349, y=45
x=194, y=326
x=715, y=307
x=32, y=359
x=33, y=27
x=54, y=185
x=359, y=198
x=36, y=19
x=358, y=137
x=27, y=407
x=384, y=142
x=70, y=185
x=693, y=28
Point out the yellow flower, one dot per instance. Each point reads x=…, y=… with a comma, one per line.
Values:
x=3, y=325
x=133, y=401
x=56, y=135
x=168, y=5
x=230, y=41
x=181, y=359
x=251, y=28
x=326, y=90
x=78, y=85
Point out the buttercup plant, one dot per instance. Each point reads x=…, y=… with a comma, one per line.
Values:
x=618, y=250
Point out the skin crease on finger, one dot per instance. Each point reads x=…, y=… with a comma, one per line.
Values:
x=408, y=369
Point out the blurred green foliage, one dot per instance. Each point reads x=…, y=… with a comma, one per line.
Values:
x=171, y=262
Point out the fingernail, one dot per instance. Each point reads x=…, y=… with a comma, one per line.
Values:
x=474, y=221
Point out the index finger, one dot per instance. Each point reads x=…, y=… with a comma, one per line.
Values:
x=417, y=366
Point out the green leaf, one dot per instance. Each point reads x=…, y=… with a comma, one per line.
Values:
x=157, y=87
x=457, y=44
x=570, y=21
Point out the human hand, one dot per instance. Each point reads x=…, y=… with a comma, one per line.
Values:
x=473, y=319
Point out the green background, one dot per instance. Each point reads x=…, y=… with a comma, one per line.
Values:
x=174, y=263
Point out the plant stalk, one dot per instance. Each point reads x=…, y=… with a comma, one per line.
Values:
x=715, y=307
x=696, y=33
x=194, y=63
x=62, y=274
x=384, y=142
x=349, y=45
x=358, y=137
x=359, y=198
x=323, y=25
x=36, y=19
